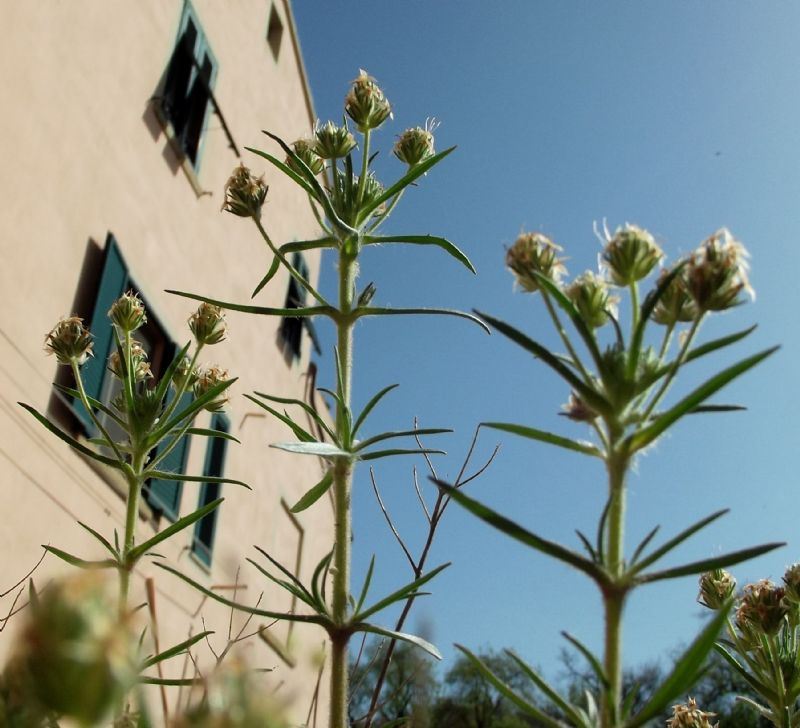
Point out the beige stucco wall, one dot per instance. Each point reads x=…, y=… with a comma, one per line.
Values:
x=84, y=154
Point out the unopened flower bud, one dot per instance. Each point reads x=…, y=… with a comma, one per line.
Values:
x=791, y=581
x=365, y=103
x=305, y=149
x=184, y=376
x=717, y=272
x=688, y=715
x=591, y=298
x=534, y=253
x=415, y=145
x=70, y=341
x=207, y=379
x=676, y=303
x=208, y=324
x=244, y=193
x=630, y=255
x=333, y=142
x=762, y=608
x=127, y=312
x=577, y=410
x=78, y=654
x=139, y=364
x=716, y=587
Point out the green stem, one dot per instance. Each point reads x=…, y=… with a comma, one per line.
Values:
x=614, y=594
x=634, y=289
x=362, y=180
x=134, y=478
x=85, y=401
x=567, y=343
x=342, y=485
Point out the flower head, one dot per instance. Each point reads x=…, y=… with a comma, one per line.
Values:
x=415, y=145
x=333, y=142
x=688, y=715
x=762, y=608
x=306, y=151
x=184, y=376
x=590, y=295
x=127, y=312
x=70, y=341
x=716, y=587
x=676, y=303
x=717, y=272
x=534, y=253
x=208, y=324
x=366, y=104
x=630, y=255
x=139, y=364
x=207, y=379
x=577, y=410
x=244, y=193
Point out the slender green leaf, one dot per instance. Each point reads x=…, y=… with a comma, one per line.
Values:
x=202, y=432
x=403, y=636
x=169, y=681
x=445, y=245
x=307, y=408
x=593, y=661
x=301, y=245
x=509, y=694
x=378, y=454
x=137, y=552
x=714, y=345
x=517, y=532
x=372, y=311
x=676, y=540
x=261, y=310
x=315, y=493
x=564, y=705
x=101, y=539
x=82, y=563
x=587, y=393
x=548, y=437
x=299, y=432
x=96, y=403
x=645, y=436
x=684, y=673
x=705, y=408
x=323, y=449
x=294, y=590
x=414, y=173
x=400, y=433
x=643, y=544
x=365, y=587
x=761, y=688
x=181, y=477
x=175, y=650
x=715, y=562
x=166, y=379
x=268, y=276
x=318, y=581
x=308, y=618
x=188, y=412
x=72, y=442
x=371, y=405
x=587, y=545
x=400, y=594
x=287, y=170
x=296, y=586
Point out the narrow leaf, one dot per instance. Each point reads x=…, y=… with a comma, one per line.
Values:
x=644, y=437
x=760, y=688
x=302, y=245
x=268, y=276
x=704, y=408
x=503, y=524
x=403, y=636
x=593, y=661
x=400, y=433
x=372, y=311
x=202, y=432
x=378, y=454
x=277, y=564
x=101, y=539
x=548, y=437
x=307, y=408
x=135, y=553
x=315, y=493
x=299, y=432
x=96, y=403
x=400, y=594
x=371, y=405
x=710, y=346
x=643, y=544
x=81, y=563
x=166, y=379
x=323, y=449
x=365, y=587
x=176, y=650
x=260, y=310
x=181, y=477
x=72, y=442
x=445, y=245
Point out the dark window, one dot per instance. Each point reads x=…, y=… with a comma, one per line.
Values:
x=187, y=85
x=162, y=495
x=274, y=32
x=291, y=331
x=203, y=541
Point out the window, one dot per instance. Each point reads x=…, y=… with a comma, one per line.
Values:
x=162, y=495
x=290, y=333
x=274, y=32
x=203, y=541
x=187, y=86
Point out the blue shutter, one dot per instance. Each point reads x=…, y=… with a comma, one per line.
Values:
x=113, y=282
x=165, y=495
x=205, y=528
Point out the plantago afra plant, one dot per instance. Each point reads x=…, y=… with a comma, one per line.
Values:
x=762, y=641
x=135, y=434
x=334, y=169
x=617, y=384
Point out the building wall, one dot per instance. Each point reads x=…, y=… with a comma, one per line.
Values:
x=84, y=154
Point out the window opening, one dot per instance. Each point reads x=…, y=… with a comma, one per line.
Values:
x=274, y=32
x=204, y=530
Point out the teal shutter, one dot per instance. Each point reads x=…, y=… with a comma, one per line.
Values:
x=205, y=528
x=165, y=495
x=113, y=282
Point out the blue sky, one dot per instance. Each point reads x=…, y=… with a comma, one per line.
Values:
x=681, y=117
